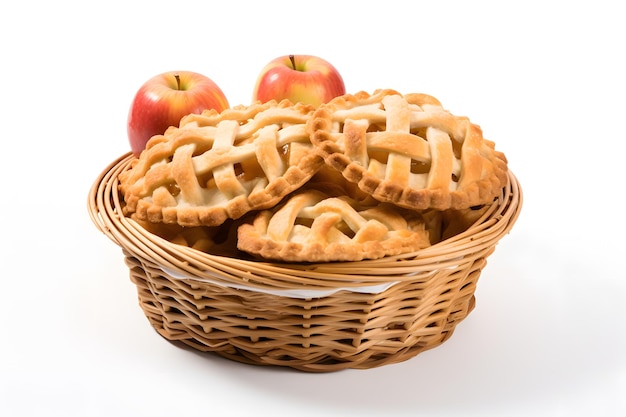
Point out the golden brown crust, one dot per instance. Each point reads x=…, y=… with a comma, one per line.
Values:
x=216, y=166
x=311, y=226
x=362, y=177
x=217, y=240
x=408, y=150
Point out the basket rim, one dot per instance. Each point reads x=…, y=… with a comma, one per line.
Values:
x=479, y=240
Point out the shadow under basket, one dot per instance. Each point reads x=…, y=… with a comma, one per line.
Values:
x=311, y=317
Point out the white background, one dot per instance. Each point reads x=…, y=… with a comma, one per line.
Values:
x=546, y=82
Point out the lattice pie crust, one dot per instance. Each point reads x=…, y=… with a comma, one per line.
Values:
x=362, y=177
x=408, y=150
x=312, y=226
x=219, y=166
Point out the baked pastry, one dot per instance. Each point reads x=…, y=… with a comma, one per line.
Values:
x=218, y=166
x=364, y=176
x=312, y=226
x=216, y=240
x=408, y=150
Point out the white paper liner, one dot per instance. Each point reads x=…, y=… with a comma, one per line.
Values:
x=300, y=294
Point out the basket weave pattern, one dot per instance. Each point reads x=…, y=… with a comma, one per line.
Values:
x=315, y=318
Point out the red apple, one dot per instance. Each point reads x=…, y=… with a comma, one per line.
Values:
x=164, y=99
x=299, y=78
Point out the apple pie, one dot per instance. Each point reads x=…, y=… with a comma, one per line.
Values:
x=311, y=226
x=409, y=151
x=219, y=166
x=216, y=240
x=364, y=176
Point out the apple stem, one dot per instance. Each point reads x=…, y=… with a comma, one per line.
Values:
x=177, y=81
x=293, y=61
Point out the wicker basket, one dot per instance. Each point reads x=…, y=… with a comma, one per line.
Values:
x=316, y=318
